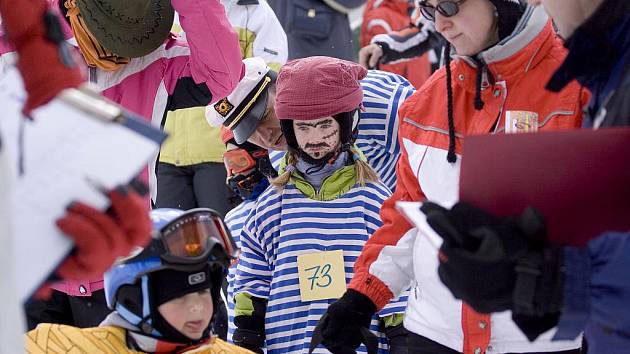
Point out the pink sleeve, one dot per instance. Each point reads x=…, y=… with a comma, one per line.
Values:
x=215, y=55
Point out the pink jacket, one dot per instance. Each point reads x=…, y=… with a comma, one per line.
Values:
x=210, y=55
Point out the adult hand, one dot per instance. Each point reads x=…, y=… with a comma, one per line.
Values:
x=500, y=263
x=370, y=55
x=101, y=237
x=479, y=253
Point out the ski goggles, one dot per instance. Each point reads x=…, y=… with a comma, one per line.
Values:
x=447, y=8
x=240, y=160
x=195, y=237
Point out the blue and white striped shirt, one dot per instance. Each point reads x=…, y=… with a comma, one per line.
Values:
x=383, y=94
x=235, y=219
x=286, y=224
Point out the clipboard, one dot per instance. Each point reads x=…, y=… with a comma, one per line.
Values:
x=579, y=179
x=73, y=148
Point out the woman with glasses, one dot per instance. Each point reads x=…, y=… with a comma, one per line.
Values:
x=501, y=53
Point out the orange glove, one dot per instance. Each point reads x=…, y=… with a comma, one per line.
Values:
x=101, y=237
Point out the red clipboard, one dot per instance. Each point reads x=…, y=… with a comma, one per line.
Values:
x=579, y=180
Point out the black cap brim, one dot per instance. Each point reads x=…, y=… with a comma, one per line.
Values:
x=248, y=123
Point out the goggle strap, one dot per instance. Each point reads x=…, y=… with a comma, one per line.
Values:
x=125, y=313
x=146, y=307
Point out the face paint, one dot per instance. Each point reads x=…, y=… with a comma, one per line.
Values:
x=317, y=138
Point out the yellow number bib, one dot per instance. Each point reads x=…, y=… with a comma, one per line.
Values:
x=322, y=275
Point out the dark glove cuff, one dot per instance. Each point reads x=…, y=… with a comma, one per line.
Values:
x=252, y=340
x=539, y=282
x=359, y=303
x=250, y=323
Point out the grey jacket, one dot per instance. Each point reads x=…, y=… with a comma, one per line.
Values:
x=317, y=27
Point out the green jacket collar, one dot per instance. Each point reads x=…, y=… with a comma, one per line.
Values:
x=333, y=186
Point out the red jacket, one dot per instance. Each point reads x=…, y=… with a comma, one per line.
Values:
x=397, y=254
x=388, y=16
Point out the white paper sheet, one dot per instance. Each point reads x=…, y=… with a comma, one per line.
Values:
x=411, y=211
x=64, y=156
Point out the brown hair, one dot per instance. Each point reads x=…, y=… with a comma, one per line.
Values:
x=284, y=178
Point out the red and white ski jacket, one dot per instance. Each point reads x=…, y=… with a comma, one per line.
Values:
x=398, y=255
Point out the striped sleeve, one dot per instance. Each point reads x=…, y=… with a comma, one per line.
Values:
x=235, y=220
x=383, y=94
x=253, y=271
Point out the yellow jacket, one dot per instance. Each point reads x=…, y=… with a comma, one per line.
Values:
x=61, y=339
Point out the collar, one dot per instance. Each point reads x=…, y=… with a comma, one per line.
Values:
x=515, y=54
x=139, y=341
x=332, y=187
x=316, y=173
x=596, y=48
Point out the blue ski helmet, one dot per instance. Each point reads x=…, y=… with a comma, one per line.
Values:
x=186, y=241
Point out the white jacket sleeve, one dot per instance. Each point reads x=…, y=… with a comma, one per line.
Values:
x=270, y=42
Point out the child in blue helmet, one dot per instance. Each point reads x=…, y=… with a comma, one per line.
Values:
x=163, y=296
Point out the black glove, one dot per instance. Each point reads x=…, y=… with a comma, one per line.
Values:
x=345, y=325
x=397, y=337
x=250, y=340
x=496, y=264
x=479, y=254
x=538, y=291
x=250, y=330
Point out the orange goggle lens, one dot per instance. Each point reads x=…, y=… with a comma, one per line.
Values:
x=193, y=235
x=238, y=161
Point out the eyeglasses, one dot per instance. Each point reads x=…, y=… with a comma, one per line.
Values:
x=447, y=8
x=195, y=236
x=240, y=160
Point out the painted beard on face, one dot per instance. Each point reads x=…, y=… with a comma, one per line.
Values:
x=318, y=150
x=317, y=138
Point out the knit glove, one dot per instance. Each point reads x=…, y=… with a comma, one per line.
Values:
x=345, y=325
x=100, y=237
x=44, y=59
